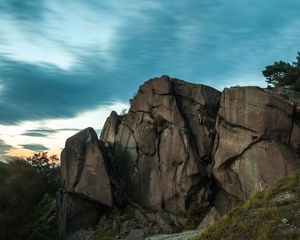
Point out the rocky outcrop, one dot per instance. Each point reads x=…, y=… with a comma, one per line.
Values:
x=254, y=129
x=110, y=128
x=182, y=150
x=83, y=168
x=86, y=184
x=163, y=145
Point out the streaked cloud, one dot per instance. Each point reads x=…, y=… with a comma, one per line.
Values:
x=4, y=148
x=34, y=134
x=24, y=10
x=45, y=132
x=59, y=131
x=35, y=92
x=65, y=64
x=34, y=147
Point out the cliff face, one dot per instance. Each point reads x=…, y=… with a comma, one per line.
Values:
x=181, y=148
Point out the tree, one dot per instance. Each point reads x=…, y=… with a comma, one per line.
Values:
x=48, y=169
x=283, y=74
x=21, y=189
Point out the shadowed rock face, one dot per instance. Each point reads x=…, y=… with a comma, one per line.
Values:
x=163, y=145
x=254, y=129
x=295, y=137
x=75, y=213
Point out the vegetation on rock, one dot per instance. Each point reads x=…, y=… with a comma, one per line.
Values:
x=283, y=74
x=270, y=214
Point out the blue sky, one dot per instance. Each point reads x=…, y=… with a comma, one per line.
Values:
x=65, y=64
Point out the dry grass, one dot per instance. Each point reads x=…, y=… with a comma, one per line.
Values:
x=263, y=216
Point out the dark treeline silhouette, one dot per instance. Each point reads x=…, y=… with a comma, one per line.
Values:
x=27, y=198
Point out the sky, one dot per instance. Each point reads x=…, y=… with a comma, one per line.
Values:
x=65, y=65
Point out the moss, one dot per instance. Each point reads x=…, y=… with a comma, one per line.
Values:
x=261, y=216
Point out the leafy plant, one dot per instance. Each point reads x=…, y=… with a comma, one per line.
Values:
x=48, y=169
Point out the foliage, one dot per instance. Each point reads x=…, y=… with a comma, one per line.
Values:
x=47, y=168
x=124, y=112
x=43, y=225
x=262, y=216
x=131, y=99
x=27, y=201
x=283, y=74
x=20, y=191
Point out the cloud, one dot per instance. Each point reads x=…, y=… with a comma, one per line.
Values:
x=4, y=148
x=34, y=147
x=34, y=134
x=209, y=42
x=23, y=10
x=35, y=92
x=45, y=132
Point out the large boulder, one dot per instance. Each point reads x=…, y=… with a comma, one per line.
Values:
x=163, y=145
x=254, y=128
x=84, y=169
x=86, y=190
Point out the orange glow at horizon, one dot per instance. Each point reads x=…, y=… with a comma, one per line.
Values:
x=24, y=153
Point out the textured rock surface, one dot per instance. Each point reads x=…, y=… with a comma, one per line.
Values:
x=86, y=186
x=295, y=137
x=83, y=168
x=254, y=128
x=164, y=143
x=136, y=234
x=110, y=128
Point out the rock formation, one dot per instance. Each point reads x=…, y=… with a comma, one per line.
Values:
x=86, y=184
x=181, y=150
x=161, y=148
x=254, y=129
